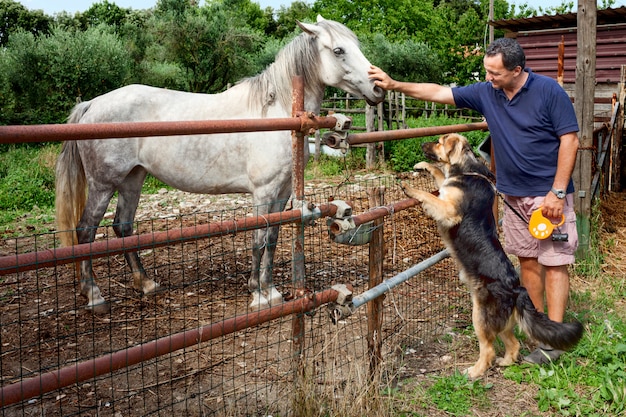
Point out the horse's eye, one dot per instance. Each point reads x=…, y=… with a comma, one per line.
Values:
x=339, y=51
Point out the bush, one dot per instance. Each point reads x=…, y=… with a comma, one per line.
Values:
x=404, y=154
x=48, y=74
x=27, y=177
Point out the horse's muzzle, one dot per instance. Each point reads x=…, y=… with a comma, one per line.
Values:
x=377, y=96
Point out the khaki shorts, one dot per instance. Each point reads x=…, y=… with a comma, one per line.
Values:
x=518, y=240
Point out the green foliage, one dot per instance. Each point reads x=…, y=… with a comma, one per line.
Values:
x=597, y=367
x=105, y=13
x=331, y=166
x=152, y=185
x=396, y=19
x=14, y=17
x=211, y=46
x=67, y=66
x=287, y=16
x=456, y=395
x=405, y=60
x=404, y=154
x=27, y=177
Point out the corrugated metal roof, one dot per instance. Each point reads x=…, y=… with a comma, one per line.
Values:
x=540, y=37
x=541, y=48
x=604, y=17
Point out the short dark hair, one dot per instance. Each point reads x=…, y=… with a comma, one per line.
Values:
x=512, y=53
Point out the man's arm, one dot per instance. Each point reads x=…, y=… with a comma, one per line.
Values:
x=552, y=206
x=420, y=91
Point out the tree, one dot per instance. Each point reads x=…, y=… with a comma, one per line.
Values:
x=15, y=17
x=287, y=17
x=106, y=13
x=396, y=19
x=48, y=74
x=406, y=60
x=212, y=46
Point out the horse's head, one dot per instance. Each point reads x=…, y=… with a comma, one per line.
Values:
x=342, y=64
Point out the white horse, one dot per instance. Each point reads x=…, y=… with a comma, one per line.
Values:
x=326, y=53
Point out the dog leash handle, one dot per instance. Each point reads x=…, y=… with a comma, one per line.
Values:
x=540, y=227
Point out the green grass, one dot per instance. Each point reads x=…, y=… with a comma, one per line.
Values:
x=590, y=380
x=27, y=188
x=456, y=395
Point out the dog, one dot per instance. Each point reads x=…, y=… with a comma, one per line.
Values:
x=463, y=211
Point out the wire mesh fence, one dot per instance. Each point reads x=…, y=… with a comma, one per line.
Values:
x=44, y=325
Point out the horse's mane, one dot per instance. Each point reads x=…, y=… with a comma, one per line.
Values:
x=298, y=57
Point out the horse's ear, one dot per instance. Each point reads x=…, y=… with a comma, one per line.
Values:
x=320, y=18
x=308, y=28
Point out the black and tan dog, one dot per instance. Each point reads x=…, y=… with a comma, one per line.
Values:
x=464, y=216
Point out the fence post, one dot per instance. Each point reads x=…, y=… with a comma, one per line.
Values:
x=297, y=191
x=376, y=197
x=370, y=123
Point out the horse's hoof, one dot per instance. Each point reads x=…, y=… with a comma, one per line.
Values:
x=258, y=301
x=100, y=308
x=274, y=298
x=151, y=287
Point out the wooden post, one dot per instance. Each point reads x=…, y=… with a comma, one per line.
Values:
x=404, y=125
x=390, y=96
x=617, y=167
x=318, y=146
x=381, y=127
x=370, y=126
x=376, y=197
x=584, y=105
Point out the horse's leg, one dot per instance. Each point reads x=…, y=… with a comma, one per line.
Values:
x=129, y=193
x=95, y=207
x=260, y=284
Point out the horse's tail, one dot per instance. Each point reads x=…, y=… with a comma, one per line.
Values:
x=538, y=326
x=71, y=185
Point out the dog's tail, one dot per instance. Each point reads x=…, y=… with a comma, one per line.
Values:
x=538, y=326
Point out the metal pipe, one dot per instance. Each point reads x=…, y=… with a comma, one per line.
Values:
x=29, y=261
x=371, y=137
x=297, y=250
x=394, y=281
x=51, y=381
x=302, y=121
x=377, y=213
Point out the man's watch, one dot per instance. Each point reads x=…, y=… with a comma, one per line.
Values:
x=560, y=194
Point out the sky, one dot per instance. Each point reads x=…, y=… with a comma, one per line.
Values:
x=53, y=6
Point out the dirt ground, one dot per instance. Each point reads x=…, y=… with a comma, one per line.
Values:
x=453, y=350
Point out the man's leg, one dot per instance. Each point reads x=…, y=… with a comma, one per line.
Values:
x=557, y=291
x=532, y=277
x=554, y=282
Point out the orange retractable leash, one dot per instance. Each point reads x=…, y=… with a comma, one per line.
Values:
x=540, y=227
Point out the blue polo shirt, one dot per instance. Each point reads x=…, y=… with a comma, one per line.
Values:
x=525, y=131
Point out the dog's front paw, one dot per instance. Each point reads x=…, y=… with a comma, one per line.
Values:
x=421, y=166
x=474, y=372
x=505, y=361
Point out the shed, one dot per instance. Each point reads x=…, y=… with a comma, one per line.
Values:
x=540, y=37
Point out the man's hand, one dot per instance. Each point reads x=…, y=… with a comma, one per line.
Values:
x=380, y=77
x=553, y=208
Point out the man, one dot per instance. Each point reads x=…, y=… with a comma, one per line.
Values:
x=534, y=132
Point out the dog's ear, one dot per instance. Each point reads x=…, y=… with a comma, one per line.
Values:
x=455, y=147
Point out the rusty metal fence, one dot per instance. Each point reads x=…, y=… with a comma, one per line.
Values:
x=195, y=348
